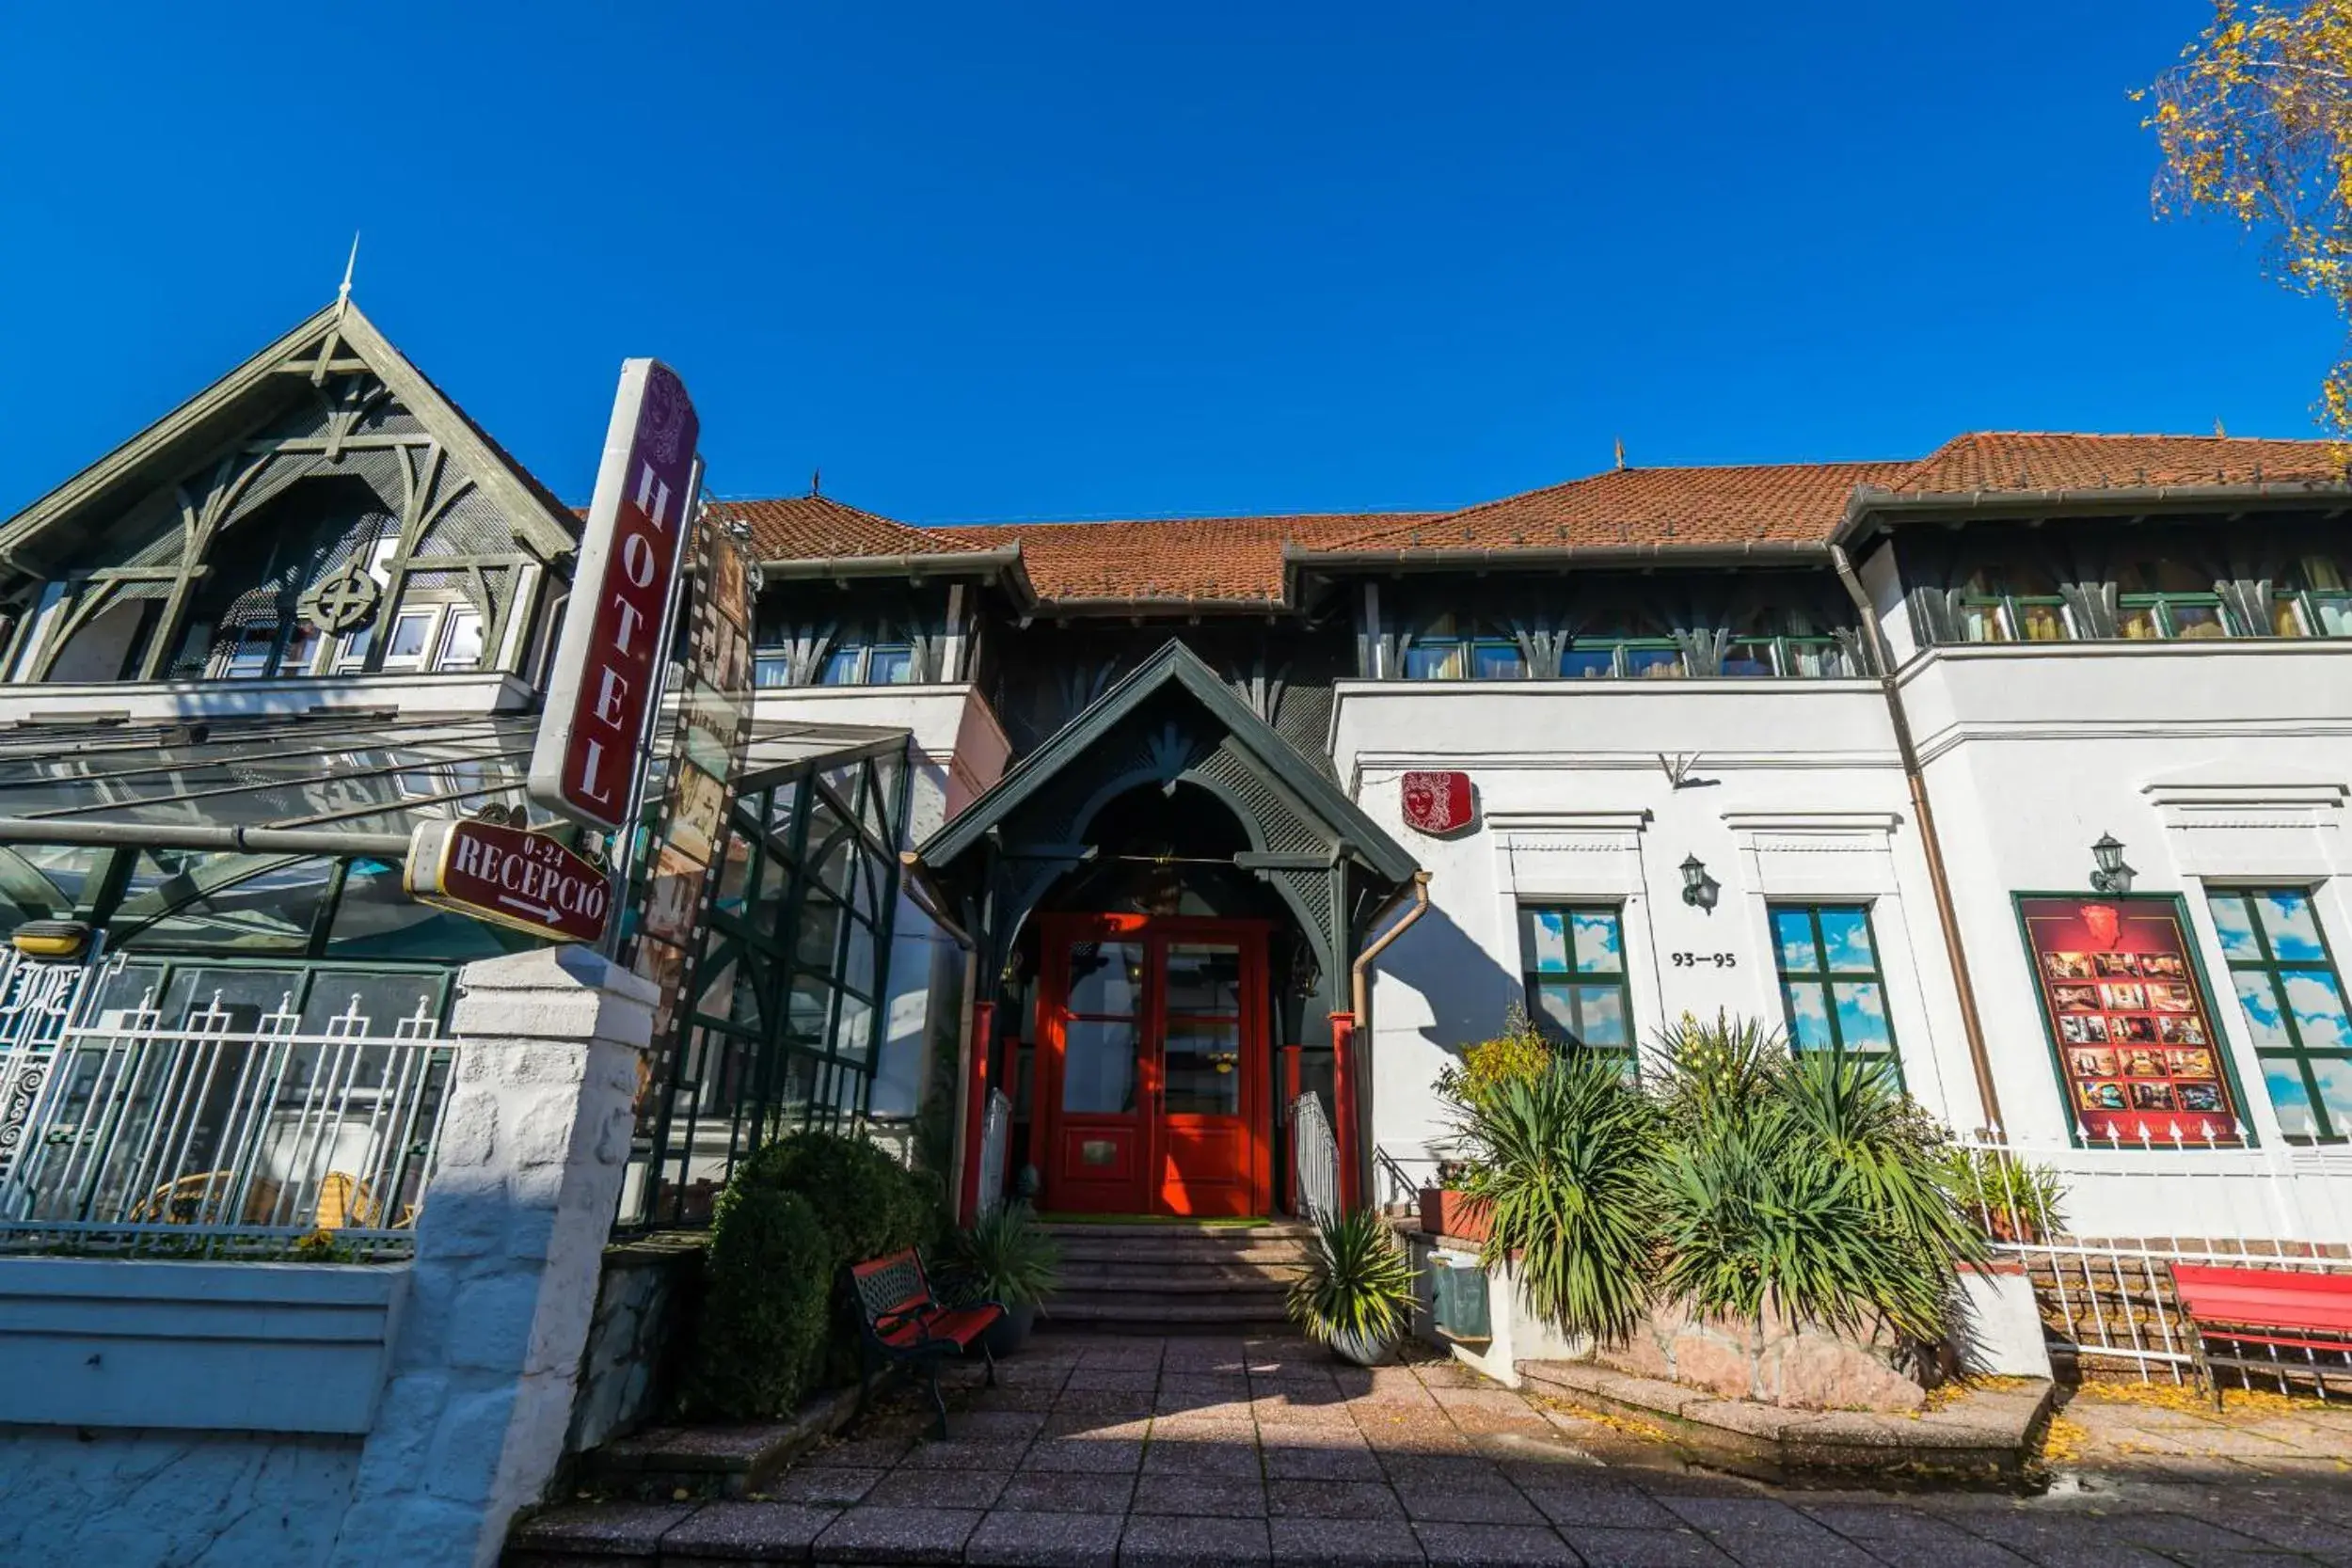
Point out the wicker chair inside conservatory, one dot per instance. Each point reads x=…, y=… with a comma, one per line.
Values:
x=202, y=1198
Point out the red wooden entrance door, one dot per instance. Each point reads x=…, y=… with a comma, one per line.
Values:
x=1153, y=1094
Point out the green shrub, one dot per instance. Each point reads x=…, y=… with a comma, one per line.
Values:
x=1005, y=1257
x=765, y=1305
x=1359, y=1282
x=1519, y=1052
x=1566, y=1161
x=869, y=1203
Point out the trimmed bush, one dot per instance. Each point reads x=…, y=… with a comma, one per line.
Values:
x=766, y=1306
x=778, y=1317
x=868, y=1202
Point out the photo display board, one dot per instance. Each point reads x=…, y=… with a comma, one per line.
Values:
x=699, y=752
x=2129, y=1019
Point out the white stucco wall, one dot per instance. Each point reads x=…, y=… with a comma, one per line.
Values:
x=2213, y=762
x=1794, y=790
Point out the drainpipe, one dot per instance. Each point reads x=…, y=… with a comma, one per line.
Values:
x=926, y=896
x=1939, y=881
x=1351, y=1109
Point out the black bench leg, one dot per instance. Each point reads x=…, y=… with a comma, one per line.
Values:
x=939, y=1401
x=990, y=1356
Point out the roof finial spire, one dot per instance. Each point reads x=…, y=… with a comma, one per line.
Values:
x=817, y=482
x=1620, y=451
x=351, y=265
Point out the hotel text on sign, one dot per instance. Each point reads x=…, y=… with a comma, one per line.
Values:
x=506, y=874
x=609, y=663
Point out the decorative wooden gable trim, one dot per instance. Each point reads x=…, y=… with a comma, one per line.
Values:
x=338, y=340
x=1176, y=666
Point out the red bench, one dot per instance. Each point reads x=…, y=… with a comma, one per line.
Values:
x=906, y=1325
x=2276, y=1308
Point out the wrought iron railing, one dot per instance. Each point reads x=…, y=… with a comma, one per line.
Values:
x=2097, y=1226
x=218, y=1137
x=1314, y=1159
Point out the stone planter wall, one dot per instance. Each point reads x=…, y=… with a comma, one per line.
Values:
x=644, y=1294
x=1775, y=1362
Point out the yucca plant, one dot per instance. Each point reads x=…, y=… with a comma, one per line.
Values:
x=1006, y=1257
x=2013, y=1199
x=1809, y=1185
x=1564, y=1159
x=1855, y=1113
x=1359, y=1284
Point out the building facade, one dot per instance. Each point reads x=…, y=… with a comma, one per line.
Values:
x=2022, y=765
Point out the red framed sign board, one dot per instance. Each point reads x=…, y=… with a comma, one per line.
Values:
x=601, y=690
x=2126, y=1007
x=510, y=877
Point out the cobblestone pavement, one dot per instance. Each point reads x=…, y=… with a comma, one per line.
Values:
x=1145, y=1452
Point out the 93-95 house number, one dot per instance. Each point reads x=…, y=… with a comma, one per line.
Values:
x=1696, y=960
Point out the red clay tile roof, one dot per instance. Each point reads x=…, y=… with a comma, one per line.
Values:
x=1226, y=560
x=818, y=527
x=1240, y=559
x=1995, y=460
x=1782, y=502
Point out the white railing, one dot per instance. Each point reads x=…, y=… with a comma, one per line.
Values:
x=2097, y=1227
x=1314, y=1159
x=995, y=1148
x=39, y=1001
x=213, y=1138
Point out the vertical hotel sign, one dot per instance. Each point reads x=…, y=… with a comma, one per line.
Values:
x=592, y=738
x=2127, y=1015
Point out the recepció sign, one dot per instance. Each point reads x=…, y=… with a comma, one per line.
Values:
x=510, y=875
x=608, y=665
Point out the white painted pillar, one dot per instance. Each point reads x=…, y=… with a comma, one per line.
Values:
x=508, y=1249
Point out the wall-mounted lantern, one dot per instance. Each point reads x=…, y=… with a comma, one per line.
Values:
x=2108, y=872
x=1698, y=888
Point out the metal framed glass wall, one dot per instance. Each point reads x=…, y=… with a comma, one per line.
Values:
x=790, y=988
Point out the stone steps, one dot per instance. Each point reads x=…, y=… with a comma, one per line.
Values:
x=1186, y=1278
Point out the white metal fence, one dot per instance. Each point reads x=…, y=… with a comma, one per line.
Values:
x=220, y=1135
x=2097, y=1227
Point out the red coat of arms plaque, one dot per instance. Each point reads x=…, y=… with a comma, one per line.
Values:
x=1437, y=802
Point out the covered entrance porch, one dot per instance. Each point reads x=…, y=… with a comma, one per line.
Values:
x=1163, y=902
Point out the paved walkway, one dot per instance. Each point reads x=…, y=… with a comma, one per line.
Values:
x=1143, y=1453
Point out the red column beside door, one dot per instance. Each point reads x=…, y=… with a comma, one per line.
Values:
x=1343, y=1105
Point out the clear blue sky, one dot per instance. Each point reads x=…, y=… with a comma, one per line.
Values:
x=1030, y=261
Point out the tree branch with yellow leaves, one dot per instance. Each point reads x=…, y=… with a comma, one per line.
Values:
x=2256, y=122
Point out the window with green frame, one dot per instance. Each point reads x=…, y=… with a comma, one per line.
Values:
x=2286, y=983
x=2021, y=604
x=2314, y=604
x=1572, y=963
x=1460, y=647
x=1831, y=985
x=2167, y=599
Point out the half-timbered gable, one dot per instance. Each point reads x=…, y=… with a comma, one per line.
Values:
x=323, y=511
